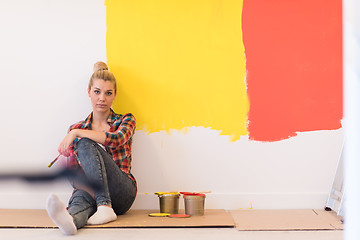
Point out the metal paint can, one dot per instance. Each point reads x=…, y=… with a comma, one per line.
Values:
x=169, y=203
x=194, y=204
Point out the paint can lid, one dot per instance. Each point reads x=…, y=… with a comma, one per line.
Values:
x=193, y=194
x=179, y=216
x=159, y=214
x=167, y=193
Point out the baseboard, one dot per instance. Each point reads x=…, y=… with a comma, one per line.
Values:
x=247, y=201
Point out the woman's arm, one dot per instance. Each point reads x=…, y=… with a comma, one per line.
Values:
x=111, y=139
x=123, y=133
x=96, y=136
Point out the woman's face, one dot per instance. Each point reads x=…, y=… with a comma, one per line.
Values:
x=102, y=95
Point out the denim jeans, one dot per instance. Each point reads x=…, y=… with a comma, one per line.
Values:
x=116, y=188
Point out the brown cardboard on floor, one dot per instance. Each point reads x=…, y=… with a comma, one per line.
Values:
x=304, y=219
x=140, y=218
x=332, y=218
x=31, y=218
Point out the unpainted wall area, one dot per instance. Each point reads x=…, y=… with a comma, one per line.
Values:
x=47, y=54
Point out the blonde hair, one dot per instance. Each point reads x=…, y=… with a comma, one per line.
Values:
x=101, y=71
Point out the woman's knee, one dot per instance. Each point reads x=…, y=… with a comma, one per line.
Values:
x=85, y=143
x=86, y=148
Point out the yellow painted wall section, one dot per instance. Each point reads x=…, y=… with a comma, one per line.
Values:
x=179, y=63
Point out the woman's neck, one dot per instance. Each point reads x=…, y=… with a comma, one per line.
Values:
x=100, y=117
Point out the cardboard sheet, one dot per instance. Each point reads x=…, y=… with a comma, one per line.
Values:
x=30, y=218
x=272, y=220
x=244, y=220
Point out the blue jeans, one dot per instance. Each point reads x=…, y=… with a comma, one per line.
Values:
x=116, y=188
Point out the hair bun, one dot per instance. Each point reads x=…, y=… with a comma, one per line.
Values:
x=100, y=66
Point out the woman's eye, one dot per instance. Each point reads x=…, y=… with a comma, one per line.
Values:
x=96, y=91
x=109, y=93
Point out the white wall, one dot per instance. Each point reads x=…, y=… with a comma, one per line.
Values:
x=351, y=46
x=47, y=51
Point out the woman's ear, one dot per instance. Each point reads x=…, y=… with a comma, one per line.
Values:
x=89, y=92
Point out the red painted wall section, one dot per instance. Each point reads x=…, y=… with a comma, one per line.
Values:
x=293, y=55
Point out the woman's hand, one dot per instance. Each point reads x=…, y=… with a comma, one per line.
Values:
x=66, y=142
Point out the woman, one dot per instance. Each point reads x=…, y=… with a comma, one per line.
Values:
x=100, y=146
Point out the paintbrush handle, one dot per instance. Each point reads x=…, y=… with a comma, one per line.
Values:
x=52, y=163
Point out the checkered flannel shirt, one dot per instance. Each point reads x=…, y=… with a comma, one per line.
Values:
x=118, y=140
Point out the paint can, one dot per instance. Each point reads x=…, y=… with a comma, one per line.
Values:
x=169, y=203
x=194, y=204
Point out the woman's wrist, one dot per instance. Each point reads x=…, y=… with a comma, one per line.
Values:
x=75, y=133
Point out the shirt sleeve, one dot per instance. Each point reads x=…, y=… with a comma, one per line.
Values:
x=72, y=163
x=123, y=133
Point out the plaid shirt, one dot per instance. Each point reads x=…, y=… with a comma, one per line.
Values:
x=118, y=140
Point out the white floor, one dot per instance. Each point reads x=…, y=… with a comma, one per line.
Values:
x=170, y=234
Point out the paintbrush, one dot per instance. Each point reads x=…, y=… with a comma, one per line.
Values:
x=50, y=164
x=72, y=175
